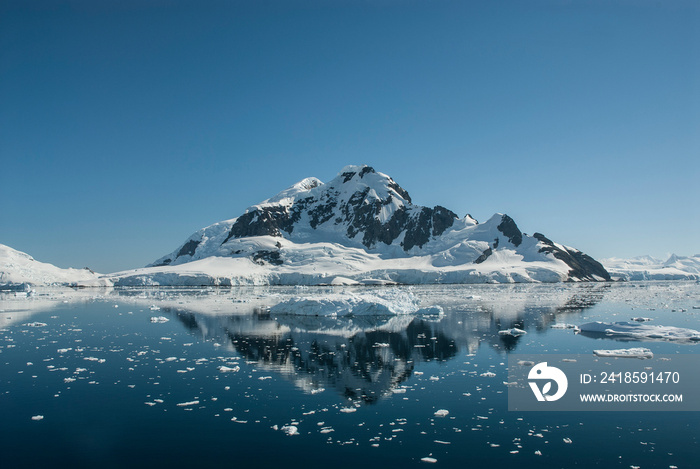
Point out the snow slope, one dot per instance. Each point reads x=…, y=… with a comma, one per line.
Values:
x=361, y=227
x=18, y=270
x=651, y=268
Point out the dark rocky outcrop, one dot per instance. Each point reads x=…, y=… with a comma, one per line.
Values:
x=583, y=266
x=269, y=221
x=189, y=248
x=484, y=255
x=272, y=257
x=510, y=230
x=360, y=213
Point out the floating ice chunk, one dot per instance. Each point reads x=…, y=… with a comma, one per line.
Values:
x=640, y=319
x=290, y=430
x=154, y=308
x=441, y=413
x=227, y=369
x=38, y=417
x=159, y=319
x=488, y=374
x=640, y=331
x=36, y=324
x=187, y=404
x=348, y=410
x=429, y=459
x=563, y=326
x=432, y=311
x=379, y=303
x=514, y=331
x=568, y=441
x=625, y=353
x=95, y=359
x=380, y=345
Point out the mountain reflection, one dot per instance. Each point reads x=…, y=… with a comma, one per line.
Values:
x=364, y=358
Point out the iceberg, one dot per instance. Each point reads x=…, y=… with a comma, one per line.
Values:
x=384, y=303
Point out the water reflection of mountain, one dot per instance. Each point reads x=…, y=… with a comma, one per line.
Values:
x=364, y=358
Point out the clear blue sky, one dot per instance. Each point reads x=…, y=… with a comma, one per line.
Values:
x=127, y=126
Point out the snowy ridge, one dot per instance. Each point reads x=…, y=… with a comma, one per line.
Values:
x=651, y=268
x=19, y=270
x=361, y=228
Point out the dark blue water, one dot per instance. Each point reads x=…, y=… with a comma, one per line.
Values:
x=360, y=391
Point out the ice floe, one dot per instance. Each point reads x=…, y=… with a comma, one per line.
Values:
x=228, y=369
x=640, y=331
x=290, y=430
x=187, y=404
x=514, y=331
x=625, y=353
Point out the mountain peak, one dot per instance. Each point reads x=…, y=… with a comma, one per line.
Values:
x=365, y=210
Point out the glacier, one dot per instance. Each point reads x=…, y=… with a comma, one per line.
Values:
x=19, y=271
x=651, y=268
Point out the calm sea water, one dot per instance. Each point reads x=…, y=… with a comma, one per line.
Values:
x=89, y=380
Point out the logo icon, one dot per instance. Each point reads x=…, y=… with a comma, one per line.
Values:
x=550, y=373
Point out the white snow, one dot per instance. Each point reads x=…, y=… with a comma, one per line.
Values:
x=17, y=268
x=651, y=268
x=625, y=353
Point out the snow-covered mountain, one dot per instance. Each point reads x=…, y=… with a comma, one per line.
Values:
x=651, y=268
x=361, y=227
x=19, y=270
